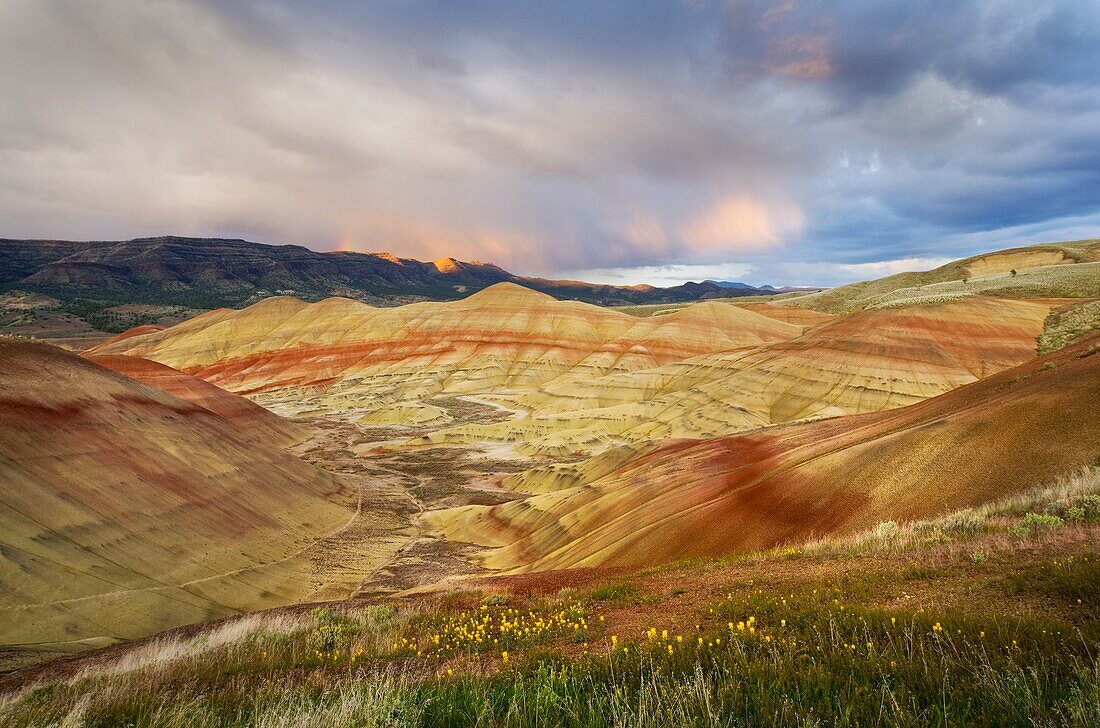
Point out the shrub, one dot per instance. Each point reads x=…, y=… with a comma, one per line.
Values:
x=1033, y=522
x=379, y=615
x=1037, y=521
x=978, y=557
x=331, y=630
x=611, y=592
x=963, y=524
x=936, y=535
x=885, y=531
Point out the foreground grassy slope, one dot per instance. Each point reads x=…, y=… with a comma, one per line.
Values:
x=987, y=617
x=125, y=509
x=1049, y=270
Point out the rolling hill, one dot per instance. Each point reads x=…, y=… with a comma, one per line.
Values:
x=503, y=338
x=866, y=362
x=985, y=440
x=128, y=507
x=589, y=377
x=510, y=430
x=1047, y=270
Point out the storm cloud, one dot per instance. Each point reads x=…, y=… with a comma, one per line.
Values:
x=791, y=142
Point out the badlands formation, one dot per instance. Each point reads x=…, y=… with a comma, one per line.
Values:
x=583, y=378
x=136, y=504
x=691, y=498
x=145, y=487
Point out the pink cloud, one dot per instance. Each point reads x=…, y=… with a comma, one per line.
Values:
x=741, y=223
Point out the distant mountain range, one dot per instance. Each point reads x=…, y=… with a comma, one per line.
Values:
x=764, y=290
x=213, y=273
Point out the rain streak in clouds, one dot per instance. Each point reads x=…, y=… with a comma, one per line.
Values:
x=624, y=141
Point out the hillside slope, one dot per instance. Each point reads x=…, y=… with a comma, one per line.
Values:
x=242, y=413
x=866, y=362
x=689, y=498
x=505, y=337
x=125, y=509
x=1048, y=270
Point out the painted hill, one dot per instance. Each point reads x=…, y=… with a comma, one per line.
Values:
x=238, y=411
x=866, y=362
x=591, y=377
x=985, y=440
x=127, y=508
x=1048, y=270
x=502, y=338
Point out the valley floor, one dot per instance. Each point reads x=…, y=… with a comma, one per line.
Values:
x=390, y=547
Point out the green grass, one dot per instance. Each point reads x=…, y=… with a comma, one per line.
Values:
x=836, y=646
x=810, y=659
x=614, y=591
x=1073, y=580
x=1072, y=499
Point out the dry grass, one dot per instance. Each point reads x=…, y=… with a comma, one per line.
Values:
x=834, y=638
x=1066, y=325
x=167, y=652
x=1077, y=280
x=1066, y=492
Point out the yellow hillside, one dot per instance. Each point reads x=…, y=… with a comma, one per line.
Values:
x=125, y=509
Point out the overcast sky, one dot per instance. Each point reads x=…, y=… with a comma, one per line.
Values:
x=626, y=141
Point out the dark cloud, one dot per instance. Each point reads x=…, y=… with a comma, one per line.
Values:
x=557, y=136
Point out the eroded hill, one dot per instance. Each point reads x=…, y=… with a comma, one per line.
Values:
x=513, y=431
x=128, y=508
x=781, y=485
x=585, y=378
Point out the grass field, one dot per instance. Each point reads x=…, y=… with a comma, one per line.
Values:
x=989, y=616
x=1068, y=324
x=1077, y=277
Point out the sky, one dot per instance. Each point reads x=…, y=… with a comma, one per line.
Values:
x=622, y=141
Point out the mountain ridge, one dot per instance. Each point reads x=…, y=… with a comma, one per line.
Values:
x=764, y=290
x=231, y=272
